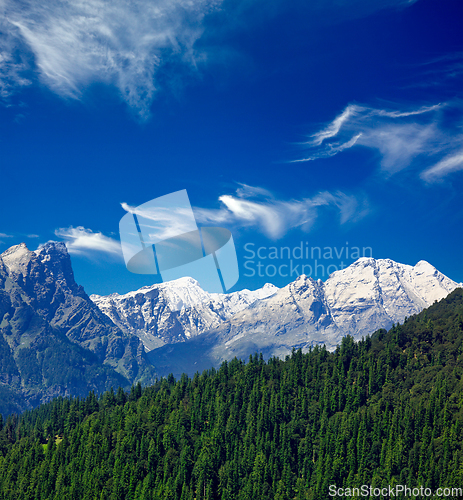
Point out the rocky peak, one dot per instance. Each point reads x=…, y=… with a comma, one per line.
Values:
x=55, y=261
x=42, y=307
x=45, y=275
x=16, y=258
x=302, y=286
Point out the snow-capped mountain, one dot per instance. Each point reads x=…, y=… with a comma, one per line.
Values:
x=372, y=294
x=368, y=295
x=174, y=311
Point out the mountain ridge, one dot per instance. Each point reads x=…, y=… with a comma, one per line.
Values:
x=174, y=311
x=384, y=410
x=358, y=300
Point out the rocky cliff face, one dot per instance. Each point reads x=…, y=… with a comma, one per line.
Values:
x=368, y=295
x=53, y=339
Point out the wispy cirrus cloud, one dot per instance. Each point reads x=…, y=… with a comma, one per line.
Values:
x=246, y=191
x=70, y=44
x=159, y=223
x=82, y=241
x=450, y=163
x=419, y=137
x=444, y=72
x=274, y=217
x=17, y=235
x=251, y=207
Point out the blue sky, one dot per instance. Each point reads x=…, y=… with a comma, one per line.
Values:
x=331, y=123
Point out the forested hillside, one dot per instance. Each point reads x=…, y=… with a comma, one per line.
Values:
x=385, y=410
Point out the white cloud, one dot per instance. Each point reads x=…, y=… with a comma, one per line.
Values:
x=4, y=236
x=158, y=223
x=274, y=217
x=350, y=207
x=70, y=44
x=245, y=191
x=335, y=126
x=450, y=163
x=266, y=214
x=78, y=42
x=332, y=149
x=80, y=240
x=401, y=137
x=399, y=144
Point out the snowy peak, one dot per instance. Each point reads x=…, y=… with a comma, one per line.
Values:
x=429, y=283
x=366, y=296
x=367, y=277
x=372, y=294
x=175, y=311
x=186, y=293
x=178, y=294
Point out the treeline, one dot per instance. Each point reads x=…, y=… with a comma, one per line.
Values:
x=386, y=410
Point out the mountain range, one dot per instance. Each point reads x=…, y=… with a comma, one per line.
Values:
x=175, y=311
x=55, y=340
x=366, y=296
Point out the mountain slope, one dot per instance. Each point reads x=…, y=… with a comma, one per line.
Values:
x=53, y=339
x=368, y=295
